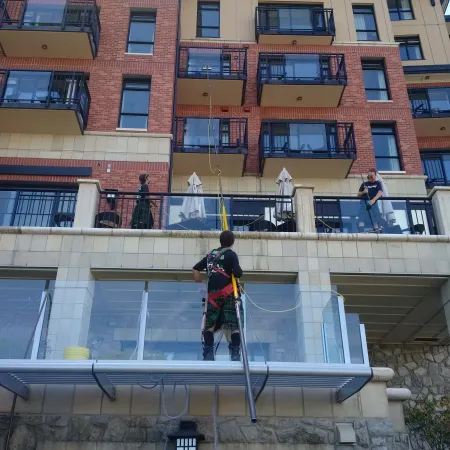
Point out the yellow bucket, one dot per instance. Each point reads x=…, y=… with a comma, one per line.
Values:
x=76, y=353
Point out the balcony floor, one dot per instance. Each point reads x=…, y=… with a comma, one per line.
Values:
x=39, y=121
x=60, y=44
x=313, y=95
x=223, y=92
x=428, y=127
x=287, y=39
x=308, y=168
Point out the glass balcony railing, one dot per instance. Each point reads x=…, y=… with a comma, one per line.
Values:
x=430, y=102
x=194, y=212
x=436, y=166
x=24, y=89
x=390, y=215
x=200, y=135
x=27, y=207
x=57, y=15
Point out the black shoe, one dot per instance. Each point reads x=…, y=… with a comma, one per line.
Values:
x=235, y=352
x=208, y=354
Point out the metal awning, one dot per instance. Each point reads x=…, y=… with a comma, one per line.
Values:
x=18, y=375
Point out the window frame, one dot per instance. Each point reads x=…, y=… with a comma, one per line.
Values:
x=200, y=27
x=436, y=155
x=399, y=10
x=140, y=81
x=393, y=126
x=372, y=13
x=381, y=66
x=406, y=42
x=141, y=14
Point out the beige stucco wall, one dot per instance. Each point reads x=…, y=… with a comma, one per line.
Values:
x=115, y=146
x=398, y=185
x=237, y=19
x=429, y=24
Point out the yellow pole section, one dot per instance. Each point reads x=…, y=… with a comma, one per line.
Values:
x=225, y=227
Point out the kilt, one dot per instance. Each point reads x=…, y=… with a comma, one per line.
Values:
x=225, y=315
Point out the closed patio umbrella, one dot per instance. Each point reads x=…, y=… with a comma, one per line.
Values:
x=193, y=207
x=283, y=209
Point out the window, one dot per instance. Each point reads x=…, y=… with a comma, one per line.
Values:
x=436, y=166
x=400, y=10
x=410, y=48
x=286, y=18
x=141, y=36
x=365, y=24
x=208, y=19
x=135, y=104
x=385, y=147
x=375, y=80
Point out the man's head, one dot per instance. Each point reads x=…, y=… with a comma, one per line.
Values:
x=143, y=178
x=372, y=175
x=226, y=239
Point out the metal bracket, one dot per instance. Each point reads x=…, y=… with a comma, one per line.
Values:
x=104, y=384
x=14, y=385
x=351, y=388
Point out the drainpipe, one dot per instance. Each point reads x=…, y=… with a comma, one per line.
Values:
x=175, y=86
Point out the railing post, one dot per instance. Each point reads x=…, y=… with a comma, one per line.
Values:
x=440, y=197
x=304, y=208
x=87, y=203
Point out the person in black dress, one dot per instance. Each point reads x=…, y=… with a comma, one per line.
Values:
x=142, y=218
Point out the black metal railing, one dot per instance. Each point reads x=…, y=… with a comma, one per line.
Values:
x=215, y=63
x=41, y=89
x=60, y=15
x=169, y=211
x=279, y=139
x=394, y=215
x=436, y=167
x=196, y=135
x=28, y=207
x=430, y=102
x=294, y=20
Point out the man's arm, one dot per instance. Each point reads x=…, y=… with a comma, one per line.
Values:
x=362, y=191
x=235, y=267
x=379, y=194
x=197, y=269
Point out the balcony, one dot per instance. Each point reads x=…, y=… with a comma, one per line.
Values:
x=43, y=102
x=197, y=139
x=214, y=76
x=268, y=213
x=431, y=111
x=392, y=215
x=28, y=207
x=43, y=29
x=307, y=149
x=301, y=79
x=294, y=24
x=436, y=166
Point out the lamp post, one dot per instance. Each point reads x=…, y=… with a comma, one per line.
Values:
x=187, y=438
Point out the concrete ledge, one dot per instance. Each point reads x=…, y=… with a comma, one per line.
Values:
x=398, y=394
x=142, y=134
x=382, y=374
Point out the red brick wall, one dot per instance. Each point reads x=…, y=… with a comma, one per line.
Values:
x=107, y=70
x=354, y=107
x=434, y=142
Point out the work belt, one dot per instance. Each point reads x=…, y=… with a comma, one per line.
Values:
x=225, y=292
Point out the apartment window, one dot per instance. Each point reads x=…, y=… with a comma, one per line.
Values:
x=141, y=37
x=385, y=147
x=400, y=10
x=208, y=19
x=410, y=48
x=365, y=23
x=375, y=80
x=436, y=166
x=135, y=104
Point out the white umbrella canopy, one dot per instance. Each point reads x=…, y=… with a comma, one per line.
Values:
x=193, y=207
x=283, y=210
x=386, y=208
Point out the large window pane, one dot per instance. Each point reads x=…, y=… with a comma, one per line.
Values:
x=114, y=326
x=201, y=132
x=27, y=87
x=385, y=148
x=308, y=137
x=365, y=24
x=439, y=99
x=142, y=33
x=208, y=19
x=203, y=63
x=135, y=104
x=37, y=14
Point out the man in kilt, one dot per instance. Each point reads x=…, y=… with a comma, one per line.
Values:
x=220, y=264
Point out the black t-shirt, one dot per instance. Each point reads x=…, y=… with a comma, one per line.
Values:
x=143, y=188
x=373, y=187
x=229, y=261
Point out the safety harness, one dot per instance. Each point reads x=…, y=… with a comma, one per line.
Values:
x=212, y=267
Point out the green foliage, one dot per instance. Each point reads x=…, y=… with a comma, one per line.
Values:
x=428, y=424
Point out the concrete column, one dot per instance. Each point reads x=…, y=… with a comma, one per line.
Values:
x=441, y=204
x=87, y=203
x=71, y=311
x=396, y=397
x=304, y=208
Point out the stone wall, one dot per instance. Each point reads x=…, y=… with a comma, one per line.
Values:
x=425, y=370
x=106, y=432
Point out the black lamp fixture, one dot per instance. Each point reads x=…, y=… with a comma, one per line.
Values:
x=187, y=438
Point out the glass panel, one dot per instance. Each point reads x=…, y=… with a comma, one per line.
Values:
x=354, y=338
x=403, y=53
x=210, y=32
x=210, y=18
x=308, y=137
x=302, y=66
x=135, y=102
x=446, y=165
x=136, y=122
x=367, y=36
x=388, y=164
x=439, y=99
x=384, y=145
x=142, y=31
x=140, y=48
x=374, y=79
x=203, y=63
x=201, y=132
x=332, y=334
x=27, y=87
x=34, y=209
x=415, y=52
x=301, y=19
x=114, y=326
x=7, y=202
x=19, y=312
x=37, y=14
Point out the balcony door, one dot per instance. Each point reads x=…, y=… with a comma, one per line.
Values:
x=304, y=18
